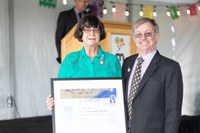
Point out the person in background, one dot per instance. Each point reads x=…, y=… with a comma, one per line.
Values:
x=91, y=61
x=66, y=21
x=155, y=105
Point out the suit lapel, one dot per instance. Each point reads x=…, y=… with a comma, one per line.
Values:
x=130, y=67
x=127, y=71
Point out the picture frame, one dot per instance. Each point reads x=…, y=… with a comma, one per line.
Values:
x=88, y=105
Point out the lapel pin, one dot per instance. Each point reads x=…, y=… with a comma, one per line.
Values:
x=129, y=69
x=102, y=59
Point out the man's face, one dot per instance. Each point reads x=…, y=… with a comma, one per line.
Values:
x=145, y=38
x=81, y=5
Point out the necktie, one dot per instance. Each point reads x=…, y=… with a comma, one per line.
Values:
x=134, y=85
x=80, y=15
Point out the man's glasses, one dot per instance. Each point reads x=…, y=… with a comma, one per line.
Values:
x=89, y=30
x=146, y=35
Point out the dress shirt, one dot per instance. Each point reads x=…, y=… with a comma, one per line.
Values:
x=147, y=59
x=77, y=14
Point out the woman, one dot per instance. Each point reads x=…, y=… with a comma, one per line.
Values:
x=91, y=61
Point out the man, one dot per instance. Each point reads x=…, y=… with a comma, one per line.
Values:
x=155, y=103
x=67, y=20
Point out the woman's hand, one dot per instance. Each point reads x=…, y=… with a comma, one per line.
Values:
x=50, y=102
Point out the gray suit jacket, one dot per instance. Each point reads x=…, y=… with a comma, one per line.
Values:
x=158, y=101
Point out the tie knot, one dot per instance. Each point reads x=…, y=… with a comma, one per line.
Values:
x=140, y=60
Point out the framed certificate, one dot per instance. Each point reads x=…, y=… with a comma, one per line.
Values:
x=88, y=105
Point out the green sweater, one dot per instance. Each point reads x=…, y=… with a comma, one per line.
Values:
x=79, y=65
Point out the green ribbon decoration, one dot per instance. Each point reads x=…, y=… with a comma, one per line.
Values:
x=173, y=12
x=48, y=3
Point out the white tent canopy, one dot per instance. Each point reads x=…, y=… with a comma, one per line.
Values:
x=166, y=1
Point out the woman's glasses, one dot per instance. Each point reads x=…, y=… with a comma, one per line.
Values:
x=89, y=30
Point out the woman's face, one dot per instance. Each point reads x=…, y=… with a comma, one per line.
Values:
x=91, y=36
